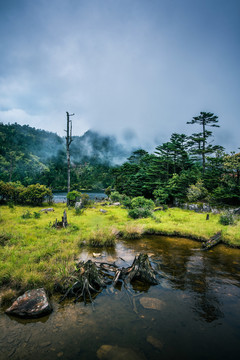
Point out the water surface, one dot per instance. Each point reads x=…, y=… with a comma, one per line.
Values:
x=199, y=316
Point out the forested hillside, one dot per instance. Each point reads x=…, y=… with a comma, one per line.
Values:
x=31, y=155
x=185, y=168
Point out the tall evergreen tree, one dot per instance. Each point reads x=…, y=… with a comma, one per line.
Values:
x=201, y=139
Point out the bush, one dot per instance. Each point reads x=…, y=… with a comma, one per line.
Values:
x=79, y=211
x=108, y=191
x=73, y=196
x=85, y=200
x=10, y=192
x=138, y=213
x=126, y=201
x=116, y=196
x=141, y=202
x=226, y=219
x=36, y=215
x=35, y=194
x=26, y=215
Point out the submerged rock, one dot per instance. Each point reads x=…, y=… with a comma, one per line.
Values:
x=155, y=342
x=152, y=303
x=32, y=304
x=109, y=352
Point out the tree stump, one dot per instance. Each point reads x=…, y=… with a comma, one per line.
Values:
x=63, y=223
x=141, y=270
x=88, y=279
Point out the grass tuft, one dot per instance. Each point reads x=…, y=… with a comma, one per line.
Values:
x=133, y=231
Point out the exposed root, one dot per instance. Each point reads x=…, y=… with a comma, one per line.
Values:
x=91, y=278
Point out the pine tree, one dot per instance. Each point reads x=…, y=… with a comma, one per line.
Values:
x=200, y=140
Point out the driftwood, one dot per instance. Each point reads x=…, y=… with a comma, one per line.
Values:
x=91, y=277
x=63, y=223
x=213, y=241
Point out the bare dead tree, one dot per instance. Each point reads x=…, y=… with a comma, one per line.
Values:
x=69, y=140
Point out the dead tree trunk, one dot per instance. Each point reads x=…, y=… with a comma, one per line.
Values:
x=68, y=143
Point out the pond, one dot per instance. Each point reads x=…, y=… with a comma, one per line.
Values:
x=61, y=197
x=194, y=312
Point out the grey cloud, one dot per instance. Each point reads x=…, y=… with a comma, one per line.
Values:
x=120, y=65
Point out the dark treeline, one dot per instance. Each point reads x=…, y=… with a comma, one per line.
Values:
x=185, y=168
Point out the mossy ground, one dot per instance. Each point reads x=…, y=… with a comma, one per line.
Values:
x=33, y=253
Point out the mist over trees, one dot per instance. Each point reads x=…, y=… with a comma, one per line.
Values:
x=185, y=168
x=31, y=155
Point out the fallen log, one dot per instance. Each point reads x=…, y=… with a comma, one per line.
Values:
x=213, y=241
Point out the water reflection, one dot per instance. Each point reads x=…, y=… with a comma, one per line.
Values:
x=199, y=295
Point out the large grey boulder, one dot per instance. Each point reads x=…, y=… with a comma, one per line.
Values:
x=32, y=304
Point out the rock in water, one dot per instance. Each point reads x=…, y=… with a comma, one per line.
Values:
x=155, y=342
x=152, y=303
x=32, y=304
x=109, y=352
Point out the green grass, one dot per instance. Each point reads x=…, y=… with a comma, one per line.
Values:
x=32, y=253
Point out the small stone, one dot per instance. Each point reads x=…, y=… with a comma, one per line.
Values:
x=45, y=344
x=155, y=342
x=109, y=352
x=152, y=303
x=60, y=354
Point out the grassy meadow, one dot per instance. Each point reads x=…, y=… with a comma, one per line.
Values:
x=33, y=253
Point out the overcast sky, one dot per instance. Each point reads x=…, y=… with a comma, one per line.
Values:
x=137, y=69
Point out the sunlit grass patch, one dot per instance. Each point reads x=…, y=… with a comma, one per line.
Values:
x=133, y=231
x=102, y=238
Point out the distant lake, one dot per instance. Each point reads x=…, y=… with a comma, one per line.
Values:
x=61, y=197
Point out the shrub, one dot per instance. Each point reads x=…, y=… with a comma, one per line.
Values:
x=10, y=192
x=73, y=196
x=36, y=215
x=79, y=211
x=139, y=213
x=35, y=194
x=85, y=200
x=116, y=196
x=126, y=201
x=141, y=202
x=226, y=219
x=108, y=191
x=26, y=215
